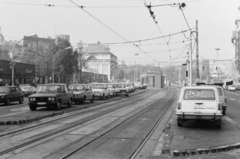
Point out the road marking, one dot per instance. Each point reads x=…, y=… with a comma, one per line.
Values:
x=238, y=101
x=12, y=114
x=237, y=94
x=232, y=99
x=20, y=109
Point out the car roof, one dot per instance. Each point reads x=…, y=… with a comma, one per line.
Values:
x=53, y=84
x=9, y=86
x=200, y=87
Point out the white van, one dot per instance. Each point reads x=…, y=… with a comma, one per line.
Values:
x=199, y=103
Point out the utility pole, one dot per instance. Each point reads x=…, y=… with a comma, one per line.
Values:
x=197, y=51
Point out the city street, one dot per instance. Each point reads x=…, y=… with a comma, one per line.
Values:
x=164, y=140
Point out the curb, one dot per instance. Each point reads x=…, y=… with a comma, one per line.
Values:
x=29, y=120
x=200, y=151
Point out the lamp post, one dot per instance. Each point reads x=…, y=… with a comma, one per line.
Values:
x=217, y=64
x=12, y=63
x=54, y=60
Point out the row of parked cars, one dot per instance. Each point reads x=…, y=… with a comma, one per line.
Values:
x=58, y=94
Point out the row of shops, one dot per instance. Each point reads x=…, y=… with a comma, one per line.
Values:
x=23, y=73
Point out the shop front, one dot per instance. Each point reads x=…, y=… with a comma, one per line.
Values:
x=23, y=73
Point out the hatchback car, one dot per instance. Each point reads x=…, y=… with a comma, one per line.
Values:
x=10, y=94
x=51, y=95
x=81, y=93
x=122, y=89
x=100, y=90
x=112, y=89
x=231, y=88
x=199, y=103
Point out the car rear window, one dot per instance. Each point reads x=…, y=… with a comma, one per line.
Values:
x=98, y=86
x=199, y=94
x=76, y=87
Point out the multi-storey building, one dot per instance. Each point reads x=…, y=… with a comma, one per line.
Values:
x=236, y=52
x=103, y=61
x=37, y=43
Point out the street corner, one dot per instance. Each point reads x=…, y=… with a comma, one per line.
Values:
x=199, y=137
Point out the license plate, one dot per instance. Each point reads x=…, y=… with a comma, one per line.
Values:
x=199, y=106
x=41, y=103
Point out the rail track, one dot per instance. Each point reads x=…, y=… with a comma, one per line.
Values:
x=69, y=126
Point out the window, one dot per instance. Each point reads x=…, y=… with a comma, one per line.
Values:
x=220, y=92
x=199, y=94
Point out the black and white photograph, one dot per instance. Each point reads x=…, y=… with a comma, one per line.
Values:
x=119, y=79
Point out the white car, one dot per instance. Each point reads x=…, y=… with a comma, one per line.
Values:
x=199, y=103
x=100, y=90
x=232, y=88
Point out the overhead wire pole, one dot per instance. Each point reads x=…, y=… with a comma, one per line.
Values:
x=197, y=51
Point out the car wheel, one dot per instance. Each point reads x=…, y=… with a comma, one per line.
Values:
x=8, y=102
x=103, y=96
x=126, y=95
x=59, y=105
x=107, y=97
x=219, y=123
x=33, y=107
x=69, y=104
x=83, y=100
x=21, y=100
x=179, y=122
x=92, y=100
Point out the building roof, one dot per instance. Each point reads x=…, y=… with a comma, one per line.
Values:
x=96, y=48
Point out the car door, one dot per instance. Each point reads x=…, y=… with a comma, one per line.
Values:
x=68, y=93
x=88, y=92
x=18, y=93
x=13, y=94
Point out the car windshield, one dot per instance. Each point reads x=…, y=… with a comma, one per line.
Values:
x=199, y=94
x=49, y=89
x=25, y=87
x=76, y=87
x=4, y=89
x=98, y=86
x=110, y=86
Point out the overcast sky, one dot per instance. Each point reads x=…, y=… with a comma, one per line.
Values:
x=117, y=21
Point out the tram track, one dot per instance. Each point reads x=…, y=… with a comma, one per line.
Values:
x=68, y=114
x=133, y=154
x=48, y=134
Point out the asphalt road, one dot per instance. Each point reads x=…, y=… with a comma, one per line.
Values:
x=233, y=110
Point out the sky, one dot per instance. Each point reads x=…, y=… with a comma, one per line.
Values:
x=127, y=26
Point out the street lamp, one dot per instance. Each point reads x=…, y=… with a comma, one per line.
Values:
x=12, y=63
x=54, y=59
x=217, y=63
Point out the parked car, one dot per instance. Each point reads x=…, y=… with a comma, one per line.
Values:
x=231, y=88
x=51, y=95
x=81, y=93
x=122, y=89
x=112, y=89
x=199, y=103
x=28, y=90
x=100, y=90
x=10, y=94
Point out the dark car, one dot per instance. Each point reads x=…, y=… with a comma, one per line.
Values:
x=51, y=95
x=10, y=94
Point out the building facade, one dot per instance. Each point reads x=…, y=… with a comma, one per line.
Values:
x=102, y=61
x=236, y=52
x=23, y=73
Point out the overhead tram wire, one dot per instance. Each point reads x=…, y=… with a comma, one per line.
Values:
x=100, y=7
x=153, y=16
x=142, y=40
x=81, y=7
